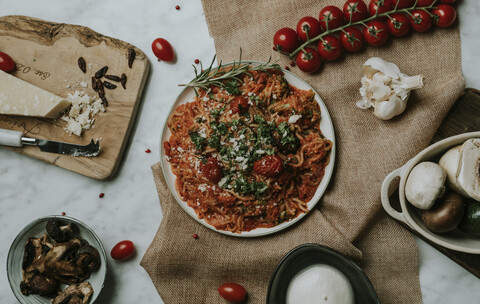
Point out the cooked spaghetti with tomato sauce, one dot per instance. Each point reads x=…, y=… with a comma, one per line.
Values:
x=249, y=153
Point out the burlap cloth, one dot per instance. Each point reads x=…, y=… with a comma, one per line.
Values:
x=349, y=217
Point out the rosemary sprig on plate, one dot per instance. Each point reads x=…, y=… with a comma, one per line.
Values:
x=216, y=76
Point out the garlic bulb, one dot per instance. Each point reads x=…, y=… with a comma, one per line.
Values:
x=385, y=88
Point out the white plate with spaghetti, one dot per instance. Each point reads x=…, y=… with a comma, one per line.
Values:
x=252, y=154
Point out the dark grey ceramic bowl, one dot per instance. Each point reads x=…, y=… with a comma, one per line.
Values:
x=310, y=254
x=37, y=229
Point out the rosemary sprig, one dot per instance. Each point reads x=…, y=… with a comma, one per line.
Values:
x=216, y=76
x=362, y=22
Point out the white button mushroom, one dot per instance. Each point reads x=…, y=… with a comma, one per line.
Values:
x=385, y=88
x=462, y=164
x=425, y=184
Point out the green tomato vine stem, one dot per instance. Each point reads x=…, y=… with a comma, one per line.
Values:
x=361, y=22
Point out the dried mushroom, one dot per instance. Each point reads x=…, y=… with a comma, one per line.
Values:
x=59, y=257
x=59, y=232
x=75, y=294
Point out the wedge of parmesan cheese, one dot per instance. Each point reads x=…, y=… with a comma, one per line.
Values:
x=18, y=97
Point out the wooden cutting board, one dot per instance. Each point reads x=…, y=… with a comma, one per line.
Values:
x=46, y=55
x=463, y=117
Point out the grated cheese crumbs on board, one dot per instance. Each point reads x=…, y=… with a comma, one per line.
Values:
x=81, y=115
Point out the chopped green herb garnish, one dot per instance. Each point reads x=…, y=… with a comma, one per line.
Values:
x=197, y=140
x=232, y=87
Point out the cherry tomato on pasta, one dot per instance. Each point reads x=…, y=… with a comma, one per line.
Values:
x=444, y=15
x=376, y=33
x=308, y=60
x=308, y=27
x=355, y=9
x=122, y=250
x=403, y=3
x=269, y=165
x=239, y=105
x=6, y=63
x=331, y=17
x=330, y=48
x=212, y=170
x=232, y=292
x=163, y=50
x=352, y=39
x=285, y=40
x=420, y=20
x=381, y=5
x=398, y=25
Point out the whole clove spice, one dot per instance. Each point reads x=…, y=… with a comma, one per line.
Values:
x=100, y=73
x=82, y=64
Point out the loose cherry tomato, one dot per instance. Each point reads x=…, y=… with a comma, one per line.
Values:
x=444, y=15
x=331, y=17
x=163, y=50
x=422, y=3
x=123, y=250
x=398, y=24
x=352, y=39
x=232, y=292
x=330, y=48
x=355, y=9
x=448, y=1
x=269, y=165
x=308, y=60
x=6, y=63
x=420, y=20
x=239, y=105
x=403, y=3
x=376, y=33
x=308, y=28
x=381, y=5
x=285, y=40
x=212, y=170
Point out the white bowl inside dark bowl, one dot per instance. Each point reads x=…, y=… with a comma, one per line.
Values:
x=307, y=255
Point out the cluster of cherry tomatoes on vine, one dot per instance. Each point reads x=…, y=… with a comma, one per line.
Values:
x=337, y=30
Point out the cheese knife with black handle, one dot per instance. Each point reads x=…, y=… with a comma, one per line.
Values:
x=16, y=139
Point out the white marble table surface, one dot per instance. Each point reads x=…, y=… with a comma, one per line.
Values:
x=30, y=188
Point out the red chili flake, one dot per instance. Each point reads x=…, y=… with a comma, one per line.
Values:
x=197, y=61
x=101, y=195
x=195, y=236
x=148, y=151
x=63, y=213
x=287, y=68
x=177, y=7
x=292, y=63
x=274, y=48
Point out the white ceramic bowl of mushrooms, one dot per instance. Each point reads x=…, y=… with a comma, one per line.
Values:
x=439, y=193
